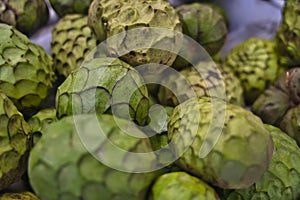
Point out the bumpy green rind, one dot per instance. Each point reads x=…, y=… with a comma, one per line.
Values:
x=26, y=73
x=108, y=18
x=26, y=15
x=282, y=179
x=255, y=62
x=201, y=85
x=288, y=34
x=72, y=40
x=40, y=121
x=242, y=151
x=19, y=196
x=280, y=104
x=14, y=143
x=64, y=7
x=60, y=167
x=180, y=185
x=204, y=24
x=104, y=85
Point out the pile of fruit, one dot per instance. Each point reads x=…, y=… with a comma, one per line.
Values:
x=128, y=107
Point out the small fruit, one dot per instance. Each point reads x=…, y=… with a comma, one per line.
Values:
x=64, y=7
x=179, y=186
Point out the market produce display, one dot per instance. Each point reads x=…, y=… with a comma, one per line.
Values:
x=108, y=18
x=15, y=143
x=64, y=7
x=72, y=41
x=26, y=15
x=255, y=62
x=126, y=107
x=239, y=157
x=26, y=70
x=279, y=104
x=282, y=179
x=180, y=185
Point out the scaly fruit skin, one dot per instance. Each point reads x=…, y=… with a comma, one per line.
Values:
x=201, y=85
x=108, y=18
x=26, y=74
x=280, y=104
x=241, y=153
x=179, y=186
x=72, y=40
x=26, y=15
x=282, y=179
x=18, y=196
x=64, y=7
x=100, y=84
x=204, y=24
x=255, y=62
x=288, y=34
x=40, y=121
x=15, y=143
x=73, y=173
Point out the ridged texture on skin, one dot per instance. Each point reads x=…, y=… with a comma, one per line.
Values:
x=203, y=24
x=26, y=73
x=18, y=196
x=279, y=105
x=108, y=18
x=40, y=121
x=255, y=62
x=179, y=186
x=241, y=154
x=282, y=179
x=72, y=40
x=233, y=89
x=60, y=167
x=14, y=143
x=26, y=15
x=288, y=34
x=64, y=7
x=98, y=85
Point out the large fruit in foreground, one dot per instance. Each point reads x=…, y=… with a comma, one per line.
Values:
x=282, y=179
x=238, y=151
x=61, y=167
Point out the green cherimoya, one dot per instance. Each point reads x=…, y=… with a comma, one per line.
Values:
x=104, y=85
x=201, y=84
x=26, y=74
x=237, y=145
x=72, y=40
x=61, y=167
x=18, y=196
x=255, y=62
x=14, y=143
x=282, y=179
x=26, y=15
x=64, y=7
x=158, y=23
x=204, y=24
x=288, y=34
x=179, y=186
x=40, y=121
x=279, y=105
